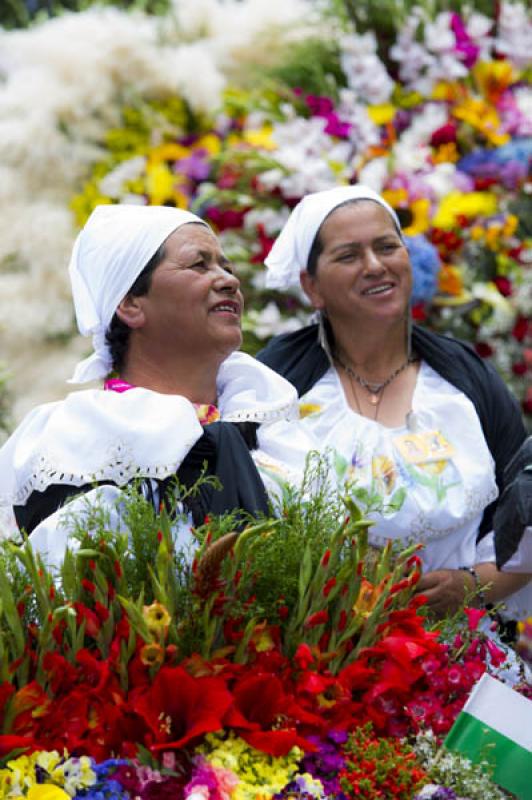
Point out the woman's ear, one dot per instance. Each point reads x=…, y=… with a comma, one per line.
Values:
x=131, y=311
x=309, y=286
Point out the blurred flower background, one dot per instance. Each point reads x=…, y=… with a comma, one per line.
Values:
x=169, y=102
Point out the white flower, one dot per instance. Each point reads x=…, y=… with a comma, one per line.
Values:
x=270, y=322
x=441, y=179
x=365, y=73
x=514, y=35
x=112, y=183
x=374, y=173
x=439, y=36
x=271, y=220
x=502, y=317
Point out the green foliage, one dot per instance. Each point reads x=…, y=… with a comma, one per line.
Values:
x=387, y=16
x=22, y=13
x=312, y=65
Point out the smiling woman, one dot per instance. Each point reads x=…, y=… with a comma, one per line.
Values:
x=153, y=288
x=409, y=414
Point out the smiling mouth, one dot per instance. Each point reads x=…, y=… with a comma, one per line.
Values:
x=227, y=307
x=380, y=289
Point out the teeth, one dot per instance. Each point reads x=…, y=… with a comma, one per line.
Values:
x=225, y=308
x=379, y=289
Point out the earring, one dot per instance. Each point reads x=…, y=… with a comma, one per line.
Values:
x=323, y=339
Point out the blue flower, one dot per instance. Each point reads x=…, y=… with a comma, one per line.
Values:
x=425, y=267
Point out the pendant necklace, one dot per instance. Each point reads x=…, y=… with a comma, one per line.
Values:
x=374, y=388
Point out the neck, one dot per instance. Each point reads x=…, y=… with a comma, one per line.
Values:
x=194, y=379
x=375, y=351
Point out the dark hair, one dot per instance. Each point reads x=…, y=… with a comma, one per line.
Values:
x=117, y=334
x=317, y=245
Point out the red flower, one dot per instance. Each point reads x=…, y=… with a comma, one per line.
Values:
x=178, y=708
x=303, y=657
x=318, y=618
x=504, y=285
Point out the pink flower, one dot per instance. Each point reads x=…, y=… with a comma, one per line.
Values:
x=474, y=615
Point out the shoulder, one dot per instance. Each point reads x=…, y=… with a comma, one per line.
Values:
x=297, y=356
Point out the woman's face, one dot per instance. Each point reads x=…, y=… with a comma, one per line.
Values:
x=363, y=272
x=194, y=303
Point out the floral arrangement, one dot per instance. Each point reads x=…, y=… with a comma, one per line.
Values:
x=209, y=673
x=439, y=124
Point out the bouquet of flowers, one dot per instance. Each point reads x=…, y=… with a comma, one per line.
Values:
x=289, y=659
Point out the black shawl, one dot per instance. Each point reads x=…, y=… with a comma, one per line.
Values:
x=299, y=358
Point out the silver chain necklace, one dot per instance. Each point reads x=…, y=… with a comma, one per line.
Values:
x=375, y=389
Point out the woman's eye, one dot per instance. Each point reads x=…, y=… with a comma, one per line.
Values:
x=388, y=248
x=201, y=265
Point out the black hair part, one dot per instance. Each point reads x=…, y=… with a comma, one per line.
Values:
x=117, y=334
x=317, y=245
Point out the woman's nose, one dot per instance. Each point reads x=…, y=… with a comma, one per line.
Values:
x=226, y=281
x=372, y=262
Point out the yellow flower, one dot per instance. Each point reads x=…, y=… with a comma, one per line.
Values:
x=456, y=204
x=482, y=117
x=477, y=233
x=160, y=183
x=381, y=114
x=210, y=142
x=420, y=217
x=306, y=409
x=47, y=792
x=494, y=77
x=510, y=225
x=395, y=197
x=446, y=153
x=169, y=151
x=262, y=638
x=261, y=137
x=384, y=474
x=156, y=618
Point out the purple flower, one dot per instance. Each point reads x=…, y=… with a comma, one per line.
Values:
x=464, y=44
x=195, y=166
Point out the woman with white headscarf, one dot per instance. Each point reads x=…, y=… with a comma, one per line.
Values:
x=411, y=415
x=156, y=293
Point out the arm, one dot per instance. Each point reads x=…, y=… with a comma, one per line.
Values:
x=446, y=589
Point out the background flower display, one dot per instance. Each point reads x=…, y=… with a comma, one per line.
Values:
x=238, y=122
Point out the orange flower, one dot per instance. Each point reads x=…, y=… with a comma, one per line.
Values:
x=152, y=655
x=450, y=280
x=368, y=596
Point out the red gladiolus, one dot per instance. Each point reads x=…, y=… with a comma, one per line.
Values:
x=329, y=586
x=89, y=586
x=325, y=558
x=318, y=618
x=303, y=657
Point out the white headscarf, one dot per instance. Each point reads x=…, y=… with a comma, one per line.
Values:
x=108, y=256
x=289, y=254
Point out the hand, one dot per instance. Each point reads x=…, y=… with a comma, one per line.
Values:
x=445, y=590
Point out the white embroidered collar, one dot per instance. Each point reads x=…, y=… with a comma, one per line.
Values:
x=94, y=435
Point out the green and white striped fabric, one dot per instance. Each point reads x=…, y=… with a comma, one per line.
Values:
x=495, y=725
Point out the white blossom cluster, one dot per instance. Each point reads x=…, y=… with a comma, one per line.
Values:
x=62, y=83
x=434, y=55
